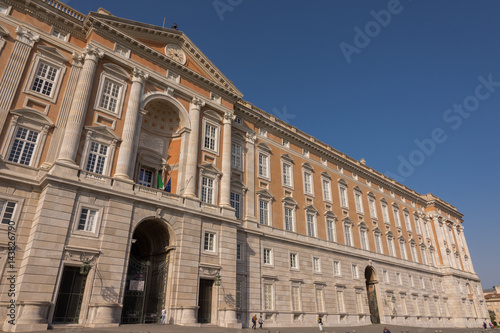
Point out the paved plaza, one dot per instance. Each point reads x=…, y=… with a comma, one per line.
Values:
x=153, y=328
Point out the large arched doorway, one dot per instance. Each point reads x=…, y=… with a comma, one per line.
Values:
x=371, y=291
x=146, y=284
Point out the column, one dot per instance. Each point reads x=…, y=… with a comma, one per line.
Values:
x=225, y=185
x=461, y=234
x=79, y=106
x=62, y=118
x=192, y=155
x=438, y=224
x=14, y=69
x=250, y=177
x=126, y=157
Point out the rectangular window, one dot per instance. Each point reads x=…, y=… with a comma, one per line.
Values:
x=239, y=289
x=236, y=155
x=287, y=174
x=385, y=213
x=288, y=219
x=268, y=297
x=359, y=202
x=391, y=247
x=59, y=34
x=7, y=209
x=293, y=260
x=359, y=303
x=396, y=217
x=295, y=298
x=407, y=221
x=146, y=177
x=316, y=265
x=417, y=225
x=436, y=305
x=320, y=304
x=235, y=201
x=209, y=244
x=398, y=278
x=411, y=280
x=210, y=136
x=87, y=220
x=340, y=301
x=110, y=95
x=343, y=197
x=267, y=257
x=238, y=251
x=207, y=190
x=45, y=79
x=330, y=230
x=24, y=146
x=355, y=274
x=307, y=183
x=336, y=268
x=422, y=282
x=415, y=306
x=413, y=252
x=97, y=158
x=403, y=305
x=327, y=193
x=364, y=240
x=264, y=212
x=311, y=231
x=348, y=238
x=386, y=276
x=403, y=250
x=263, y=165
x=378, y=243
x=373, y=210
x=424, y=256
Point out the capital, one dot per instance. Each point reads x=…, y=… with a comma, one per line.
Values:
x=26, y=36
x=251, y=137
x=77, y=59
x=92, y=53
x=197, y=102
x=229, y=117
x=139, y=75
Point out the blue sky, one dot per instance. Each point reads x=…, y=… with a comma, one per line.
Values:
x=430, y=72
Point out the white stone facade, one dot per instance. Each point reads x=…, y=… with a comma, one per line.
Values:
x=136, y=180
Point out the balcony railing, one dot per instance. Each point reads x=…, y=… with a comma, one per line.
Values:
x=65, y=9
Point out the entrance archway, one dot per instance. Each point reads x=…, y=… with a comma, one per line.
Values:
x=371, y=291
x=146, y=284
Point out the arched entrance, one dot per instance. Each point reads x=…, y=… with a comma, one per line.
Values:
x=371, y=291
x=146, y=284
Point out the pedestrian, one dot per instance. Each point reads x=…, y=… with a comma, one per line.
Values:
x=320, y=323
x=163, y=314
x=386, y=330
x=491, y=326
x=254, y=321
x=261, y=321
x=484, y=325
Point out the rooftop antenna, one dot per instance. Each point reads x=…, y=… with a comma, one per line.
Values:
x=164, y=22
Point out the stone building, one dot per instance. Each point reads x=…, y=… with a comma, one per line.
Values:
x=134, y=177
x=492, y=298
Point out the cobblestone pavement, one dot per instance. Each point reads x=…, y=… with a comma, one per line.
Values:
x=154, y=328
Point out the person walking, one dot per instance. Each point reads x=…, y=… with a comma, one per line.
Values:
x=386, y=330
x=163, y=314
x=254, y=321
x=261, y=321
x=320, y=323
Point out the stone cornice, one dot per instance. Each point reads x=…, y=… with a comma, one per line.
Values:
x=271, y=122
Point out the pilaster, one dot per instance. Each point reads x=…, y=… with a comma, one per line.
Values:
x=192, y=155
x=13, y=71
x=250, y=177
x=226, y=160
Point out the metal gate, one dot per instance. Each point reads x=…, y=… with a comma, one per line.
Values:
x=135, y=291
x=157, y=291
x=372, y=302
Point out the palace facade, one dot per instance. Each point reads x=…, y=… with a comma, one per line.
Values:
x=134, y=177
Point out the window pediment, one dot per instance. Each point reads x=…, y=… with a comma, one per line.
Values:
x=370, y=194
x=311, y=208
x=238, y=184
x=116, y=70
x=326, y=175
x=390, y=234
x=53, y=53
x=265, y=194
x=307, y=166
x=34, y=117
x=363, y=225
x=395, y=205
x=287, y=158
x=212, y=115
x=330, y=214
x=347, y=220
x=377, y=231
x=402, y=239
x=342, y=181
x=289, y=201
x=264, y=147
x=383, y=200
x=357, y=188
x=209, y=169
x=103, y=132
